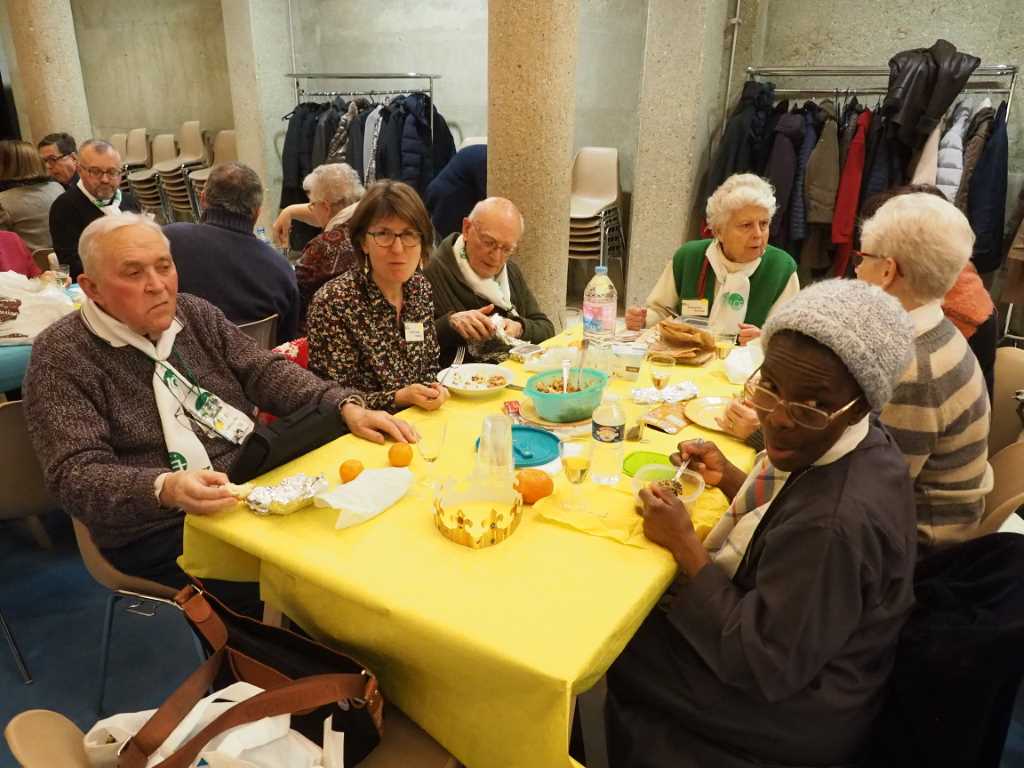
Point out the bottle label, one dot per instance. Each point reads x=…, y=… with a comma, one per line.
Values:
x=599, y=318
x=609, y=433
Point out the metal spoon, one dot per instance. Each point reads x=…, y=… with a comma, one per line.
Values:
x=584, y=346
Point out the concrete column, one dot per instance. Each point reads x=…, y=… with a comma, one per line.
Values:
x=531, y=114
x=49, y=71
x=680, y=94
x=256, y=38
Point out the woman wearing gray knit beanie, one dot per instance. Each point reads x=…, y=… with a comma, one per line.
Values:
x=775, y=644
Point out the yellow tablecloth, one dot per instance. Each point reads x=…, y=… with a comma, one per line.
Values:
x=485, y=649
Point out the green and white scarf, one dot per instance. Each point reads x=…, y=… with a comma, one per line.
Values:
x=180, y=401
x=111, y=207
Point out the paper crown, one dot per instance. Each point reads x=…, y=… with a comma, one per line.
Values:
x=478, y=524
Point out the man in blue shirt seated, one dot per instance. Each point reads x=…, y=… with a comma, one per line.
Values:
x=222, y=261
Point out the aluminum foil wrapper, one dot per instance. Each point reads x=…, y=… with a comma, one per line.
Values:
x=291, y=494
x=673, y=393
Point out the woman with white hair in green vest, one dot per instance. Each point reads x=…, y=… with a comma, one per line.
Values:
x=733, y=280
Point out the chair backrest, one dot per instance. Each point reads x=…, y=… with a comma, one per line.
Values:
x=263, y=332
x=1007, y=494
x=137, y=148
x=119, y=141
x=22, y=490
x=107, y=575
x=595, y=173
x=164, y=148
x=1009, y=377
x=192, y=147
x=42, y=258
x=224, y=148
x=39, y=738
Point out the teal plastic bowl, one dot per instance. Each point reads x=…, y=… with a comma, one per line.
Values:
x=575, y=406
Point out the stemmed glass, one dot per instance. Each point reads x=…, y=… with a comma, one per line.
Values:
x=575, y=456
x=431, y=432
x=661, y=369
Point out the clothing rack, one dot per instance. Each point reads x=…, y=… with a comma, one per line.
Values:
x=990, y=71
x=300, y=92
x=988, y=86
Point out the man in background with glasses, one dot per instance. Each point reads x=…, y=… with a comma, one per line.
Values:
x=481, y=299
x=60, y=156
x=96, y=193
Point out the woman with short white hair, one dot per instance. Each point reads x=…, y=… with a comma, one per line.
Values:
x=914, y=247
x=334, y=190
x=734, y=279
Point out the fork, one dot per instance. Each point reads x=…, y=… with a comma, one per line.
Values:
x=460, y=355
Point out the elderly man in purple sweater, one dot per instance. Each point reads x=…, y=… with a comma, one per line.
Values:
x=139, y=404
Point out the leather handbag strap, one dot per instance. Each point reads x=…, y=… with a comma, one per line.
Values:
x=136, y=751
x=203, y=616
x=308, y=693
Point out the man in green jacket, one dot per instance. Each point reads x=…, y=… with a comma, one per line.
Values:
x=481, y=299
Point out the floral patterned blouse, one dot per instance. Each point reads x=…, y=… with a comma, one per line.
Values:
x=357, y=339
x=327, y=255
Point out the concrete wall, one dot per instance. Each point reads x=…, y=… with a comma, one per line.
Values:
x=449, y=37
x=841, y=32
x=153, y=64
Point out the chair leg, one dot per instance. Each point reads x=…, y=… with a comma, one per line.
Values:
x=108, y=622
x=15, y=651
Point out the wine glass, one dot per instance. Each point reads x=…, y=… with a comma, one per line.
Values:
x=575, y=456
x=661, y=369
x=431, y=441
x=724, y=342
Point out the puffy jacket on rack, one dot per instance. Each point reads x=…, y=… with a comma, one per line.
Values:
x=781, y=172
x=923, y=83
x=975, y=139
x=422, y=157
x=744, y=130
x=951, y=153
x=986, y=201
x=798, y=203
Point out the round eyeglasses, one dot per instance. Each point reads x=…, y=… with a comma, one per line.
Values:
x=765, y=402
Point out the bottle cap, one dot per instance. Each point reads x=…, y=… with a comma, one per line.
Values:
x=600, y=269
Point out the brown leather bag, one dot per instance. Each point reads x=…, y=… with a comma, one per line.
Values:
x=301, y=677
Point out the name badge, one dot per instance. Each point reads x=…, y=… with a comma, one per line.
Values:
x=414, y=331
x=694, y=308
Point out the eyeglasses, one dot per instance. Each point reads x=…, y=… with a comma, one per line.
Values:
x=491, y=244
x=385, y=238
x=54, y=160
x=101, y=173
x=859, y=256
x=766, y=402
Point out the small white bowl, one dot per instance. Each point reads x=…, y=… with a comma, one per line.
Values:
x=458, y=380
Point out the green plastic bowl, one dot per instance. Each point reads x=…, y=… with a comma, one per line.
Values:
x=575, y=406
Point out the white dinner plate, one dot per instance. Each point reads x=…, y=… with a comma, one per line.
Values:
x=704, y=410
x=471, y=379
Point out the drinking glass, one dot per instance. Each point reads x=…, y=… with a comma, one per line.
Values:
x=724, y=342
x=63, y=274
x=575, y=456
x=661, y=369
x=494, y=456
x=573, y=320
x=430, y=444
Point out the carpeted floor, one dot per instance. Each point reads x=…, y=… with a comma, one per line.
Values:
x=55, y=611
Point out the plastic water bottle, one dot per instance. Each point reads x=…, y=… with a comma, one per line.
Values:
x=261, y=234
x=600, y=303
x=609, y=431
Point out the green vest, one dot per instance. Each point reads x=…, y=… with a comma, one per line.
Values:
x=766, y=284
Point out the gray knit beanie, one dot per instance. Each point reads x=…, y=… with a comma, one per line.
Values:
x=867, y=328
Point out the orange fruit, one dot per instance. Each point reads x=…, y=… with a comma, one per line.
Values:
x=533, y=485
x=350, y=470
x=400, y=455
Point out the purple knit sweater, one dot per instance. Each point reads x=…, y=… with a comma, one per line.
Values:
x=93, y=421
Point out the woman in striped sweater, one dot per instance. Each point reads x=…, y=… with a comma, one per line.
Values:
x=914, y=247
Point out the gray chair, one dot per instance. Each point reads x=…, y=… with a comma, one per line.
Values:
x=121, y=586
x=263, y=332
x=1009, y=377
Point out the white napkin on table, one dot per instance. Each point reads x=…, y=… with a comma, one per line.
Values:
x=367, y=496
